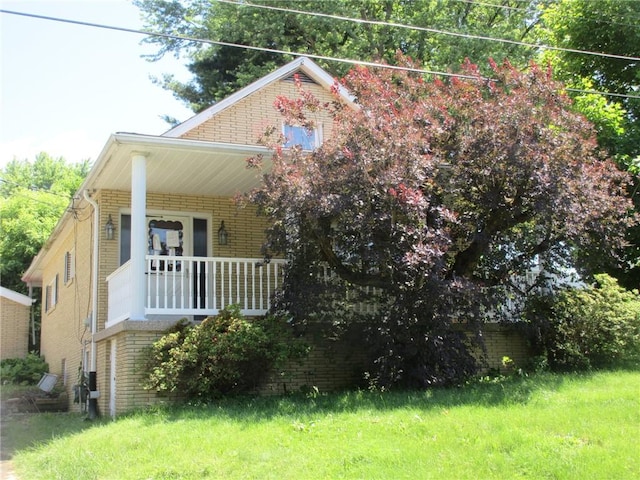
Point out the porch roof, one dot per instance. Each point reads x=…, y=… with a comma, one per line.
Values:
x=16, y=297
x=174, y=165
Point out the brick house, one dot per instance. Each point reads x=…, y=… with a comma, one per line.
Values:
x=154, y=235
x=15, y=314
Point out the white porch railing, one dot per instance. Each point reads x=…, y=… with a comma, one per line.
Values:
x=196, y=286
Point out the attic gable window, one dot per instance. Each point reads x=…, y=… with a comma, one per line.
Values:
x=296, y=135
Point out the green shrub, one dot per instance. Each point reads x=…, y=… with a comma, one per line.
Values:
x=580, y=328
x=222, y=355
x=23, y=371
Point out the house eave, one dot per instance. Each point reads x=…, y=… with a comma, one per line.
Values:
x=16, y=297
x=117, y=152
x=174, y=166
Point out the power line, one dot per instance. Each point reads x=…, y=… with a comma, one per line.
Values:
x=521, y=9
x=596, y=92
x=32, y=199
x=32, y=188
x=524, y=9
x=235, y=45
x=277, y=51
x=430, y=30
x=495, y=5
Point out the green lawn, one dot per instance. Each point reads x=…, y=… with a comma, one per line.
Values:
x=542, y=427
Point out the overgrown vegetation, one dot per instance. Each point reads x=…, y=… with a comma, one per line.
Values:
x=223, y=355
x=23, y=371
x=435, y=194
x=591, y=327
x=414, y=348
x=605, y=26
x=33, y=195
x=541, y=426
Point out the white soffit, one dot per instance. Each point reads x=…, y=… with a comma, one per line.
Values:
x=177, y=166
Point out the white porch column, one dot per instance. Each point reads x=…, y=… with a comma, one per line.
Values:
x=138, y=233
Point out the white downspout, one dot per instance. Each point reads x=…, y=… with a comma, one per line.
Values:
x=33, y=317
x=93, y=402
x=94, y=280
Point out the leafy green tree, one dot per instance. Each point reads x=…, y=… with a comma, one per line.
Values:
x=33, y=196
x=609, y=27
x=436, y=193
x=373, y=30
x=219, y=70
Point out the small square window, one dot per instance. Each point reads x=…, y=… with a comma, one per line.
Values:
x=296, y=135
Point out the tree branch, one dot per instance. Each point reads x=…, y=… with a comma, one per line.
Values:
x=346, y=273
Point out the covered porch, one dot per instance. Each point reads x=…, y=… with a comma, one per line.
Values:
x=170, y=263
x=192, y=287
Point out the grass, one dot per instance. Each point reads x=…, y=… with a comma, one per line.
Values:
x=543, y=427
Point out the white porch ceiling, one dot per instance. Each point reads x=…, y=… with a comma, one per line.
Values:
x=176, y=166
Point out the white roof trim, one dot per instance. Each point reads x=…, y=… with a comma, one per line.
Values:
x=16, y=297
x=311, y=69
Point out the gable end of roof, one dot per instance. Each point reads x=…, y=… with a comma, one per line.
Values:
x=305, y=67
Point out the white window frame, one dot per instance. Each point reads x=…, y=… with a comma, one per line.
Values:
x=315, y=136
x=47, y=298
x=51, y=294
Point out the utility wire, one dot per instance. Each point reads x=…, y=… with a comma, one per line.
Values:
x=430, y=30
x=32, y=199
x=522, y=9
x=282, y=52
x=598, y=20
x=236, y=45
x=495, y=5
x=32, y=188
x=596, y=92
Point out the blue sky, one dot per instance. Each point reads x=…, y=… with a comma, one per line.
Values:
x=65, y=88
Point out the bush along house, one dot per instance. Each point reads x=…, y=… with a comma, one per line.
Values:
x=155, y=235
